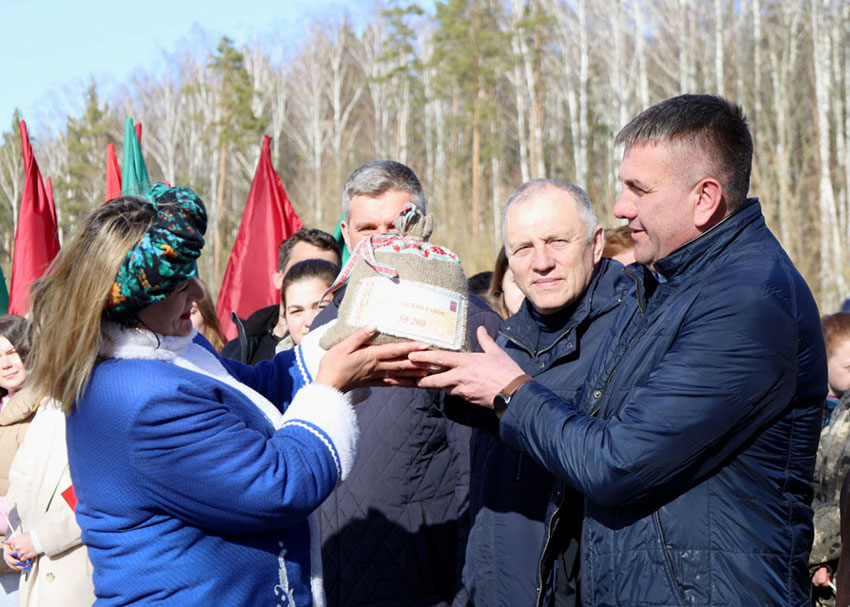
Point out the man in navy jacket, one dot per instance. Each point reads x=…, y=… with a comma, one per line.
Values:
x=571, y=298
x=694, y=437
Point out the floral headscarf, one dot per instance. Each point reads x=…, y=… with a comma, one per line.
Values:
x=165, y=257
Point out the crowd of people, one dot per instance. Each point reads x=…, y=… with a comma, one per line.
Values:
x=654, y=414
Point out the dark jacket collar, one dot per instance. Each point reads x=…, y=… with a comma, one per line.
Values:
x=603, y=293
x=262, y=321
x=693, y=255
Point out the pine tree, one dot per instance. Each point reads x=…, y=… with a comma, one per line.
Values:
x=82, y=186
x=402, y=68
x=236, y=127
x=471, y=54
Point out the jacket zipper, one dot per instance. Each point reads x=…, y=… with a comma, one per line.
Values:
x=671, y=572
x=638, y=294
x=541, y=581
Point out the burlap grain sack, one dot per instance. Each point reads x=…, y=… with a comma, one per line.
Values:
x=409, y=288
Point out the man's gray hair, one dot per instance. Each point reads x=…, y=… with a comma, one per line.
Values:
x=379, y=176
x=536, y=186
x=707, y=123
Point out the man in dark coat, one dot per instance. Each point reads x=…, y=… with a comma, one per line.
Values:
x=694, y=437
x=394, y=532
x=571, y=298
x=260, y=334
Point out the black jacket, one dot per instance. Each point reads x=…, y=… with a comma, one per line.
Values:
x=255, y=341
x=394, y=532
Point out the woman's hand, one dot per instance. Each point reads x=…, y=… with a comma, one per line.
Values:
x=21, y=544
x=351, y=364
x=11, y=561
x=19, y=551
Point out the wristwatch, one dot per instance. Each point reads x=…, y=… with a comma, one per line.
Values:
x=503, y=397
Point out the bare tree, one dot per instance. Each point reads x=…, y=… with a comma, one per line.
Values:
x=830, y=241
x=474, y=121
x=344, y=90
x=311, y=127
x=161, y=108
x=757, y=64
x=639, y=16
x=719, y=26
x=369, y=54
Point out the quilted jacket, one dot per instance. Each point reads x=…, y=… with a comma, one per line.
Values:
x=509, y=492
x=697, y=466
x=394, y=532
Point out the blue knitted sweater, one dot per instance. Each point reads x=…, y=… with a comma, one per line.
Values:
x=187, y=493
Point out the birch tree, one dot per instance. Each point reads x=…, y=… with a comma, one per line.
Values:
x=369, y=55
x=783, y=57
x=310, y=103
x=344, y=90
x=830, y=241
x=719, y=43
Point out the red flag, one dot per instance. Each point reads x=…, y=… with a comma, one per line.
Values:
x=48, y=186
x=139, y=132
x=113, y=174
x=37, y=237
x=70, y=497
x=268, y=219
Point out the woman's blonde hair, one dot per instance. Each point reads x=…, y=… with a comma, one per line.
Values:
x=67, y=304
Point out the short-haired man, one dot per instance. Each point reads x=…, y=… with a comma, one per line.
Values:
x=553, y=243
x=394, y=532
x=306, y=243
x=262, y=332
x=694, y=437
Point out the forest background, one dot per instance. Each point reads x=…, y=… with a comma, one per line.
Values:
x=476, y=96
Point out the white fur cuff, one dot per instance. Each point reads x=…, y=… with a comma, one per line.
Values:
x=328, y=409
x=310, y=353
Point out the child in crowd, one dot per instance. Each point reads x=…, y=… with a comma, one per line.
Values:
x=833, y=459
x=836, y=334
x=303, y=294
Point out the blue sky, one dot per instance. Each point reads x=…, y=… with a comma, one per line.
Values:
x=50, y=49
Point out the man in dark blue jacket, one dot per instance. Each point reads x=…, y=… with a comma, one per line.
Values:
x=571, y=298
x=394, y=533
x=694, y=437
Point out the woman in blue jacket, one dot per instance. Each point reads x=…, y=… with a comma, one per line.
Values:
x=196, y=476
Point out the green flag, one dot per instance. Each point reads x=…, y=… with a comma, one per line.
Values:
x=4, y=295
x=134, y=174
x=338, y=237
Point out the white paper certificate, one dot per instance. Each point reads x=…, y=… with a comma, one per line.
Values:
x=410, y=309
